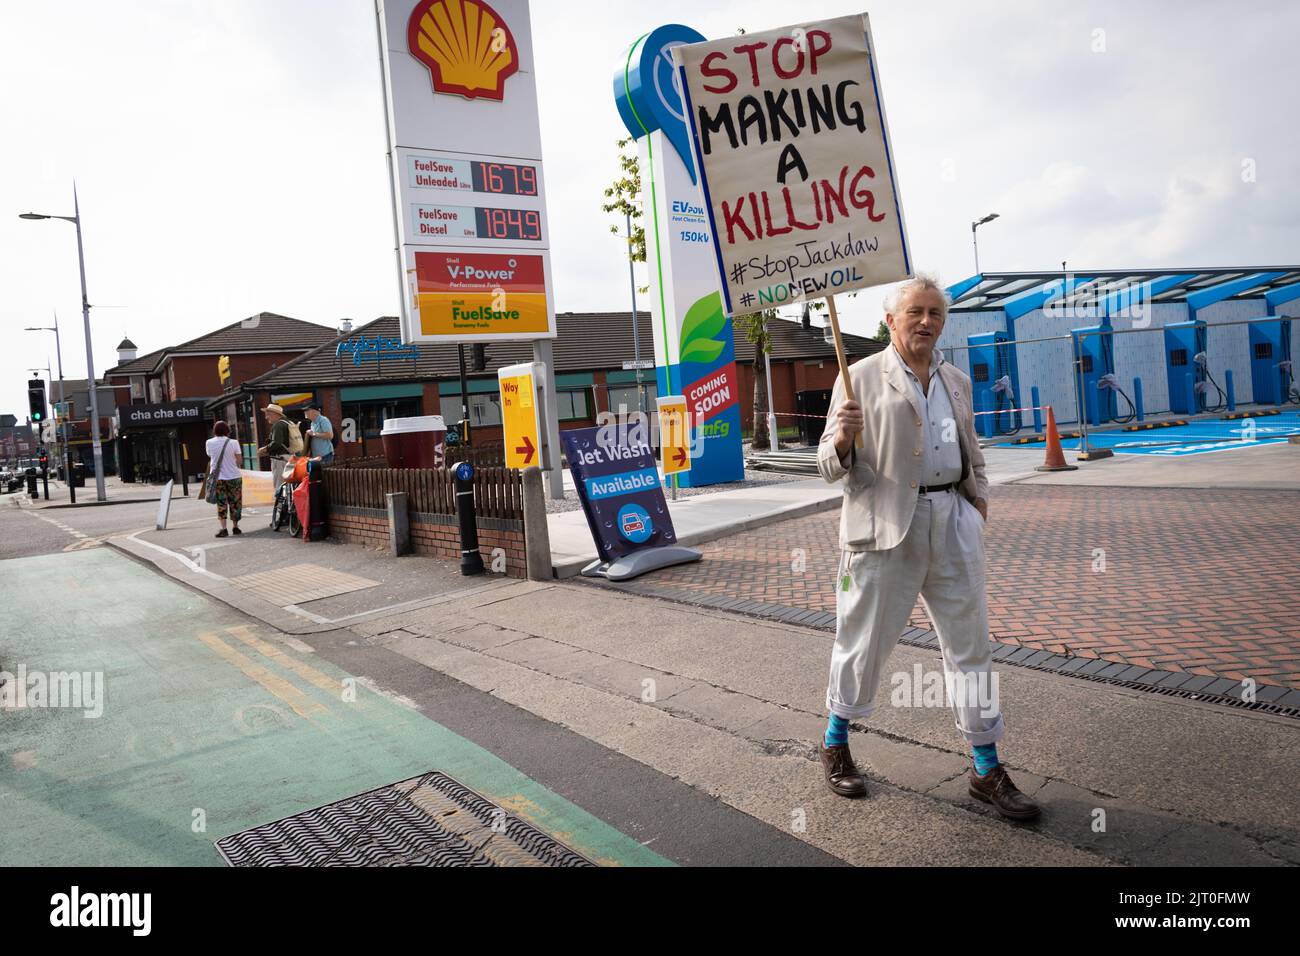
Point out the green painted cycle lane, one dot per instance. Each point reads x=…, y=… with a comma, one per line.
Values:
x=209, y=725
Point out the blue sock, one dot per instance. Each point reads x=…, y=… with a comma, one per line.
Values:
x=986, y=757
x=837, y=731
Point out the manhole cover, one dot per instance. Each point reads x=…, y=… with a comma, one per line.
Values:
x=429, y=820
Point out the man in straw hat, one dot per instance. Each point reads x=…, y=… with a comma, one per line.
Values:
x=277, y=446
x=912, y=522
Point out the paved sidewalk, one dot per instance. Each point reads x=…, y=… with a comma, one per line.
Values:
x=732, y=706
x=116, y=491
x=706, y=517
x=296, y=586
x=699, y=518
x=1194, y=581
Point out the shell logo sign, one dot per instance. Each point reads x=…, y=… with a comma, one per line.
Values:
x=466, y=45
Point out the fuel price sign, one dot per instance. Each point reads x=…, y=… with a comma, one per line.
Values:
x=476, y=222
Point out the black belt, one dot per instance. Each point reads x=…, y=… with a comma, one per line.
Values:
x=926, y=489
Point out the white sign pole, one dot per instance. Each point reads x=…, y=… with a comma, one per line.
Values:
x=164, y=506
x=551, y=452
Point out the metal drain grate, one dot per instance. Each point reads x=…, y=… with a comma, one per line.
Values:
x=431, y=820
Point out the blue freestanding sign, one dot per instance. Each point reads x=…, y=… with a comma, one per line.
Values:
x=618, y=484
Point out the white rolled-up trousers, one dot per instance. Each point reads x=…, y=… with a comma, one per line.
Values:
x=941, y=559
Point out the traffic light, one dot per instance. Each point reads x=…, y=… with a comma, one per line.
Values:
x=36, y=399
x=479, y=361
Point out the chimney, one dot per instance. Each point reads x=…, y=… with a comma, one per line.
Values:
x=807, y=317
x=125, y=351
x=345, y=326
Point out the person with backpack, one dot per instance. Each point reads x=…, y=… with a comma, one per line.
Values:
x=285, y=440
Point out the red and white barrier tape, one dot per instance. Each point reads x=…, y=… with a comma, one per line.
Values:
x=1003, y=411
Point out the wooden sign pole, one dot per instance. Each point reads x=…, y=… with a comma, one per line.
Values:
x=840, y=357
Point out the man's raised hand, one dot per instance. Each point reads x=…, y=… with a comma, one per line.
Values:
x=849, y=421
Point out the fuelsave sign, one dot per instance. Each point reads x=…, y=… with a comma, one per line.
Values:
x=468, y=293
x=790, y=137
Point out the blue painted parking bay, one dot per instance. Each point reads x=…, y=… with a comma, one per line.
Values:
x=1194, y=438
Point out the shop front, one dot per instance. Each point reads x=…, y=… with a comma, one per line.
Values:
x=365, y=408
x=157, y=443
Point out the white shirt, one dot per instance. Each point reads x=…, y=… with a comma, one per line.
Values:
x=941, y=460
x=228, y=468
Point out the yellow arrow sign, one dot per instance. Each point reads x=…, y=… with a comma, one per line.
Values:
x=674, y=434
x=520, y=423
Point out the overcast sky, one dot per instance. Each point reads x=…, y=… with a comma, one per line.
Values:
x=230, y=153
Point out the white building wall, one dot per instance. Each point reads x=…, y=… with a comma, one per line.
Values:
x=1141, y=354
x=960, y=326
x=1049, y=365
x=1228, y=346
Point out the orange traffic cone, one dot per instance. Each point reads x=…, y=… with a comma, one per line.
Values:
x=1055, y=460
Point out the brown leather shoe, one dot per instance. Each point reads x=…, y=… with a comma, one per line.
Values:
x=995, y=787
x=842, y=774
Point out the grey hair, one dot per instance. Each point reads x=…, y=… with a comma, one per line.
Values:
x=920, y=282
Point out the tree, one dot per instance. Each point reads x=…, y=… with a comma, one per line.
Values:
x=758, y=334
x=624, y=198
x=882, y=333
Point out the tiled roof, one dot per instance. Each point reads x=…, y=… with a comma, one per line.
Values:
x=587, y=341
x=264, y=332
x=137, y=366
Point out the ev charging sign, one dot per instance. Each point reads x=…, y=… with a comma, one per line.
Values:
x=695, y=355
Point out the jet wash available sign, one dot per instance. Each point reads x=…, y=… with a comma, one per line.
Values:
x=790, y=138
x=618, y=485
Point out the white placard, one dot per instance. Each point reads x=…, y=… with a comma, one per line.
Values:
x=790, y=137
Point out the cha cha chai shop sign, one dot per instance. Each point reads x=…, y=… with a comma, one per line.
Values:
x=465, y=158
x=171, y=413
x=790, y=136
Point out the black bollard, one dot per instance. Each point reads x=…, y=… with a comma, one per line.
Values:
x=471, y=562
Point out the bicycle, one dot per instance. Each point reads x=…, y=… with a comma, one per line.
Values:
x=283, y=511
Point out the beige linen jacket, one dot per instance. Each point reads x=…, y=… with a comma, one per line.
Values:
x=882, y=477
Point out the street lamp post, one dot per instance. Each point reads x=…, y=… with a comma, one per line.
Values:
x=975, y=240
x=63, y=423
x=75, y=219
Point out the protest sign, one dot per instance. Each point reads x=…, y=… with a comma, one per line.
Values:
x=795, y=161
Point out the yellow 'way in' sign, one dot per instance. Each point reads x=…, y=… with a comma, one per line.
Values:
x=520, y=424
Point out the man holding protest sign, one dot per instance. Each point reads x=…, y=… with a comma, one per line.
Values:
x=912, y=523
x=792, y=147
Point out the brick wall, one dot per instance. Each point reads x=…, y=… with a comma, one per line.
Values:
x=433, y=535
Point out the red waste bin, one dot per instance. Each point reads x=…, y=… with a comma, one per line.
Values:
x=418, y=442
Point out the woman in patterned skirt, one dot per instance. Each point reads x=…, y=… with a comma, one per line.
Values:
x=223, y=462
